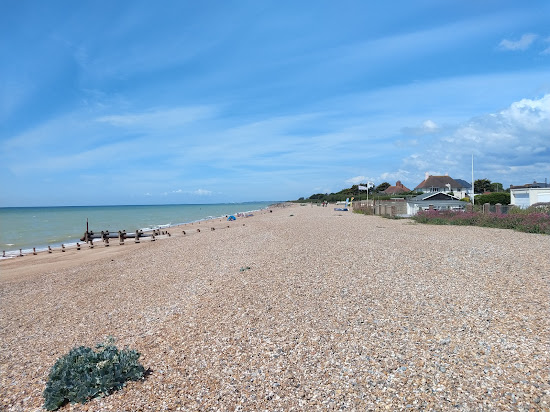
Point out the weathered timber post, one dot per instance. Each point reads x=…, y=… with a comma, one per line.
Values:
x=62, y=247
x=91, y=243
x=20, y=252
x=106, y=242
x=3, y=253
x=120, y=238
x=77, y=246
x=168, y=233
x=49, y=249
x=153, y=237
x=137, y=236
x=34, y=251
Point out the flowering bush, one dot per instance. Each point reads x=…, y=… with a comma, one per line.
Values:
x=523, y=222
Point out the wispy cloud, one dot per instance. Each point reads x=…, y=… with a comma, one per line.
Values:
x=202, y=192
x=259, y=100
x=357, y=180
x=522, y=44
x=160, y=118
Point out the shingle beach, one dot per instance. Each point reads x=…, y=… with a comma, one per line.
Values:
x=304, y=308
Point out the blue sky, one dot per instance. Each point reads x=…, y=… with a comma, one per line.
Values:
x=139, y=102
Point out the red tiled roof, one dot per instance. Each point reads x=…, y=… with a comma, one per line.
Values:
x=398, y=188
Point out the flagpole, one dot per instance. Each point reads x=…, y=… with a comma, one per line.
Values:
x=473, y=191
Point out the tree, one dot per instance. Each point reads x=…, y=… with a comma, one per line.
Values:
x=381, y=187
x=496, y=187
x=482, y=186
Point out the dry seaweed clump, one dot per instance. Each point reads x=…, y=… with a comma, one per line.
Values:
x=83, y=374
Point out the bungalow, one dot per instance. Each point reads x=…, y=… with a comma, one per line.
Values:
x=434, y=200
x=527, y=195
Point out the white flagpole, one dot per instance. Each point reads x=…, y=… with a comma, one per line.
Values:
x=473, y=191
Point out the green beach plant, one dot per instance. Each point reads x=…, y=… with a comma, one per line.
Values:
x=83, y=374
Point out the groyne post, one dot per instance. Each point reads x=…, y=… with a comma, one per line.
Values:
x=137, y=236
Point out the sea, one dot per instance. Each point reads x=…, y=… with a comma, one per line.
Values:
x=39, y=227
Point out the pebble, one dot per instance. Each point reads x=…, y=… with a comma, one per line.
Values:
x=335, y=313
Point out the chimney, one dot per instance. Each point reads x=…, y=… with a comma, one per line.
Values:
x=398, y=183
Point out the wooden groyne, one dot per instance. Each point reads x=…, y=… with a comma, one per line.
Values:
x=90, y=236
x=106, y=236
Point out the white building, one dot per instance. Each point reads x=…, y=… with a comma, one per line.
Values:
x=524, y=196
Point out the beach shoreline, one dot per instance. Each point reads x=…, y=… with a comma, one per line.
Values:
x=299, y=308
x=80, y=253
x=38, y=229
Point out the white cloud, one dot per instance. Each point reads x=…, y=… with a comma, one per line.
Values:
x=357, y=179
x=506, y=145
x=522, y=44
x=524, y=123
x=393, y=176
x=427, y=127
x=430, y=125
x=202, y=192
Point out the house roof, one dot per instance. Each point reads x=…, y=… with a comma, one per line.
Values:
x=398, y=188
x=439, y=181
x=431, y=196
x=531, y=185
x=464, y=183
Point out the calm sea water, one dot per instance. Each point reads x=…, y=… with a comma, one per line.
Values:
x=28, y=227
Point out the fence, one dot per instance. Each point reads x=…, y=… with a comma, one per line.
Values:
x=498, y=208
x=391, y=207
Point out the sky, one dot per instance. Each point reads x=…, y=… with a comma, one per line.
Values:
x=168, y=102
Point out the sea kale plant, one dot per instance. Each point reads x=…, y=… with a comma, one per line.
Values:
x=83, y=374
